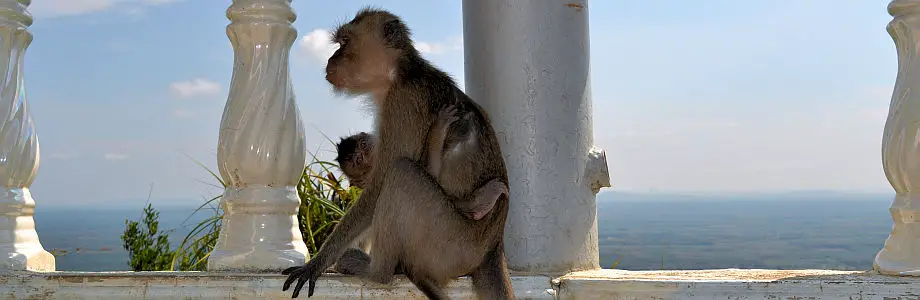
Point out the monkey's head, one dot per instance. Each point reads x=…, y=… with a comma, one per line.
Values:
x=356, y=157
x=370, y=48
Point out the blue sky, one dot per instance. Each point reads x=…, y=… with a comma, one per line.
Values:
x=716, y=96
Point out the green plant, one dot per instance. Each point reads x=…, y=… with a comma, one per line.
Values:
x=148, y=248
x=324, y=200
x=195, y=248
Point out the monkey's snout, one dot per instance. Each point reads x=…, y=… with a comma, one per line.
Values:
x=330, y=76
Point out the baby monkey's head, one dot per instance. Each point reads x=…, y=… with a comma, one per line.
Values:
x=356, y=157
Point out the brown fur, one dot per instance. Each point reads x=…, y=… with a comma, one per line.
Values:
x=356, y=158
x=413, y=215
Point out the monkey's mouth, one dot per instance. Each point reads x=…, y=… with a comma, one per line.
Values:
x=338, y=82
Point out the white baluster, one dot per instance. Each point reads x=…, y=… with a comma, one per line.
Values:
x=527, y=63
x=20, y=248
x=261, y=153
x=900, y=151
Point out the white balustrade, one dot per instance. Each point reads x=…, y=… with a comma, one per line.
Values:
x=527, y=64
x=261, y=153
x=900, y=150
x=20, y=248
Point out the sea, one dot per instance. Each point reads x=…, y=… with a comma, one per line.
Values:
x=636, y=231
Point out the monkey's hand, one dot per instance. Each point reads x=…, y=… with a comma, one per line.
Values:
x=445, y=117
x=306, y=273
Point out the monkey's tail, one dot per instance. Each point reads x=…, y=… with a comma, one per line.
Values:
x=491, y=279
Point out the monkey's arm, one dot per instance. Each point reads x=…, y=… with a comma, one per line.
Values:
x=356, y=220
x=436, y=136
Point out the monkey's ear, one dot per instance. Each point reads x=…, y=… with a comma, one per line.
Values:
x=391, y=30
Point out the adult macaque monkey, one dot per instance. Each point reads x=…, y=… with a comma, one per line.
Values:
x=414, y=217
x=356, y=158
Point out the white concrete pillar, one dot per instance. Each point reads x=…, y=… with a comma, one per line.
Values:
x=20, y=248
x=527, y=64
x=261, y=153
x=900, y=151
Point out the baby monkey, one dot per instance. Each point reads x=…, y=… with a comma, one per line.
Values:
x=356, y=159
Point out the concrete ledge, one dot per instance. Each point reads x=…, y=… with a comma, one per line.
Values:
x=598, y=284
x=735, y=284
x=212, y=285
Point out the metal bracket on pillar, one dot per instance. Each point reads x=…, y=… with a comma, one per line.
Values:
x=597, y=174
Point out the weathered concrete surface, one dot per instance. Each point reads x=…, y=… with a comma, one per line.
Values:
x=735, y=284
x=600, y=284
x=528, y=64
x=237, y=286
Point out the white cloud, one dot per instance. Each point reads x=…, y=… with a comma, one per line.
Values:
x=195, y=87
x=316, y=45
x=182, y=113
x=54, y=8
x=452, y=44
x=158, y=2
x=115, y=156
x=58, y=8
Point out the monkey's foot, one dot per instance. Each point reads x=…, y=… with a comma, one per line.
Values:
x=484, y=199
x=353, y=262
